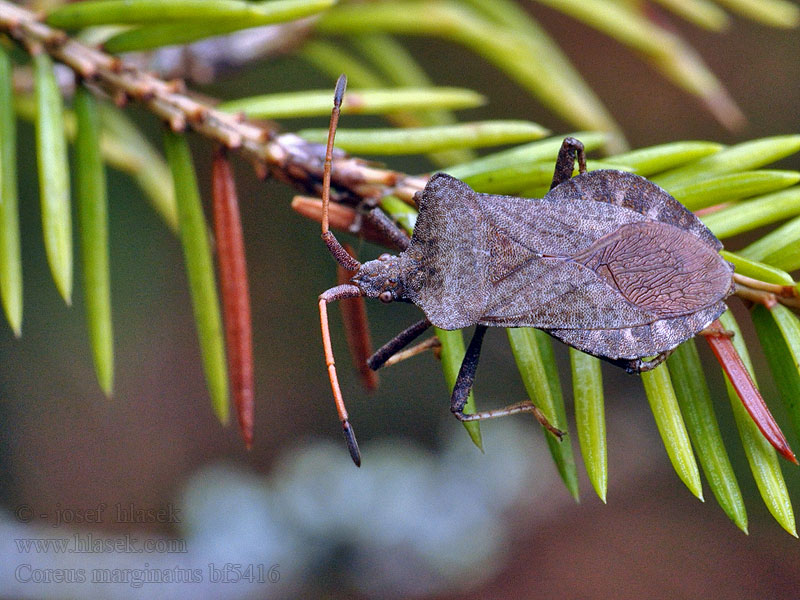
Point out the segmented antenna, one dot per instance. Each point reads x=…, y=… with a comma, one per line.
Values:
x=334, y=247
x=339, y=292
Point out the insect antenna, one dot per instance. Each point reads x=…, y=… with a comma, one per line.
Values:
x=339, y=253
x=339, y=292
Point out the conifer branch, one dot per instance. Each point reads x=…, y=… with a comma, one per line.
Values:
x=284, y=156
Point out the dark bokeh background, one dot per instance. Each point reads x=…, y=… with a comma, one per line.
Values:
x=64, y=445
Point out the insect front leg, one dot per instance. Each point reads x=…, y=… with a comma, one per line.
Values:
x=466, y=378
x=393, y=235
x=565, y=163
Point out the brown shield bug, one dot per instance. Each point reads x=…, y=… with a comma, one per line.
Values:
x=606, y=262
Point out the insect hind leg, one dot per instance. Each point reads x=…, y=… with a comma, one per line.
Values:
x=639, y=365
x=465, y=380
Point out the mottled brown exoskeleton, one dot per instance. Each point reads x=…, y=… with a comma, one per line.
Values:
x=606, y=262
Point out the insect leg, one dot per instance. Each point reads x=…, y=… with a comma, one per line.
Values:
x=432, y=343
x=640, y=365
x=513, y=409
x=397, y=343
x=345, y=218
x=394, y=236
x=565, y=163
x=466, y=375
x=338, y=293
x=466, y=378
x=716, y=329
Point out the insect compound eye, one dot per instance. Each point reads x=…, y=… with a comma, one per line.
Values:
x=386, y=297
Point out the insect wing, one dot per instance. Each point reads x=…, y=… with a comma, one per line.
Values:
x=634, y=193
x=578, y=264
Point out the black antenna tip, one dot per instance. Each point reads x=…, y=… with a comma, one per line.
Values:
x=341, y=84
x=352, y=444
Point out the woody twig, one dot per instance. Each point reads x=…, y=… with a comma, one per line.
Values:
x=284, y=156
